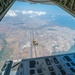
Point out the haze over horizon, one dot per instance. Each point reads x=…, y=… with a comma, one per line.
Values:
x=54, y=14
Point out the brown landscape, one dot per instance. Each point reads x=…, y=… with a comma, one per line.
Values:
x=30, y=41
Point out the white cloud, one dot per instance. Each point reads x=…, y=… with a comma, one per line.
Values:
x=30, y=12
x=27, y=12
x=39, y=13
x=24, y=12
x=11, y=13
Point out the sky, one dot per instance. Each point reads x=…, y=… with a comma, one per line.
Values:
x=51, y=12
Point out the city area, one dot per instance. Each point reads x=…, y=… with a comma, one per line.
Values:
x=30, y=40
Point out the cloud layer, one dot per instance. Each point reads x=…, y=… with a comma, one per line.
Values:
x=11, y=13
x=14, y=13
